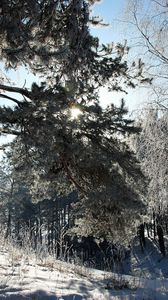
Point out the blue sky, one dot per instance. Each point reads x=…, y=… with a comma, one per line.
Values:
x=109, y=11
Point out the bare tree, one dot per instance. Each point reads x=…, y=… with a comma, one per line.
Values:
x=150, y=35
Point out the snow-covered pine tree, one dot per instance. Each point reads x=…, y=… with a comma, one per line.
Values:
x=56, y=150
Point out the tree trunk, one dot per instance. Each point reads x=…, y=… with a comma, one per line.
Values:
x=161, y=239
x=154, y=226
x=8, y=230
x=142, y=236
x=148, y=229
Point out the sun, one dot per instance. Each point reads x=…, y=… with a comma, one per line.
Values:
x=75, y=112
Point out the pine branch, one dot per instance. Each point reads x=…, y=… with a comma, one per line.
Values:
x=18, y=90
x=2, y=147
x=72, y=179
x=10, y=98
x=9, y=131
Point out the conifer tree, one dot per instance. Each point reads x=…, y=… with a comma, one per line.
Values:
x=56, y=149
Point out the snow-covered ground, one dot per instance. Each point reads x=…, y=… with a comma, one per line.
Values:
x=149, y=264
x=27, y=277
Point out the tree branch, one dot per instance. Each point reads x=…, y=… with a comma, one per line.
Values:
x=2, y=147
x=9, y=131
x=166, y=6
x=18, y=90
x=153, y=49
x=71, y=177
x=10, y=98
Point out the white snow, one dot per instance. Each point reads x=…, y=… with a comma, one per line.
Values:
x=27, y=277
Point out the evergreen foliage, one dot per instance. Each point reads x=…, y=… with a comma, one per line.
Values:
x=54, y=152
